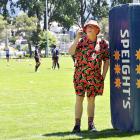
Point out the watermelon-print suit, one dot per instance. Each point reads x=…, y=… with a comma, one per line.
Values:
x=87, y=76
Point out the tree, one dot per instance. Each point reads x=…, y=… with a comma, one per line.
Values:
x=43, y=39
x=3, y=24
x=33, y=8
x=87, y=9
x=104, y=28
x=3, y=8
x=104, y=25
x=65, y=12
x=77, y=12
x=58, y=10
x=116, y=2
x=84, y=11
x=100, y=9
x=70, y=12
x=28, y=25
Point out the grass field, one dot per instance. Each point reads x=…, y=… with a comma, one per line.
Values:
x=38, y=106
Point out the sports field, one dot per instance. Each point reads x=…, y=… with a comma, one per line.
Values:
x=38, y=106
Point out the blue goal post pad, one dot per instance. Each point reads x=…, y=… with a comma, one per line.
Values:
x=124, y=38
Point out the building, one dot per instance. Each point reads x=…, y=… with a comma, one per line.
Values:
x=136, y=1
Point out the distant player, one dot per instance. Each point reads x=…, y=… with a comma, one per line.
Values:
x=7, y=54
x=55, y=57
x=37, y=58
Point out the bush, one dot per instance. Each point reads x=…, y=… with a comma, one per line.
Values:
x=27, y=55
x=43, y=39
x=12, y=39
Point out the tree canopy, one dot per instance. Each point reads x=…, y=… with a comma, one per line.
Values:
x=4, y=9
x=3, y=24
x=116, y=2
x=65, y=12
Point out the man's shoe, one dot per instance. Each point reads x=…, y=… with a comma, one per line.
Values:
x=92, y=128
x=76, y=129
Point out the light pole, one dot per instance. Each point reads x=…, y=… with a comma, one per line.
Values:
x=46, y=51
x=6, y=38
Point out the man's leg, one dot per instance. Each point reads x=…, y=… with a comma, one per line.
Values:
x=57, y=63
x=78, y=112
x=37, y=65
x=52, y=63
x=90, y=113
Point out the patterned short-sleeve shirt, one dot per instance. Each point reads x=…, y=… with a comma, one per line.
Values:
x=89, y=56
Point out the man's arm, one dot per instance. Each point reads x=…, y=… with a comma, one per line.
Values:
x=74, y=44
x=105, y=68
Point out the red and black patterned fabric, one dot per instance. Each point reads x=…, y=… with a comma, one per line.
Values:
x=87, y=75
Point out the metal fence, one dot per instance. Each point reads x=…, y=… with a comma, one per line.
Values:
x=63, y=42
x=12, y=54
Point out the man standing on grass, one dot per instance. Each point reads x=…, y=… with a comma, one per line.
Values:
x=55, y=57
x=37, y=58
x=7, y=54
x=89, y=53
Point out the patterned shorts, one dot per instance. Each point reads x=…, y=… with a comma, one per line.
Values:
x=93, y=85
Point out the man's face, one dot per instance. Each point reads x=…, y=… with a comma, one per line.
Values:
x=91, y=30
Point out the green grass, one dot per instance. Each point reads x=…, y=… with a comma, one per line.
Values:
x=38, y=106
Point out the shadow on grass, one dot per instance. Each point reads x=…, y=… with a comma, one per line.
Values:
x=107, y=133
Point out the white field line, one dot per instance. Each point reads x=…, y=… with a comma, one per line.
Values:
x=18, y=104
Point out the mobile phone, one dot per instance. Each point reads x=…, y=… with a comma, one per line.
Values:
x=83, y=34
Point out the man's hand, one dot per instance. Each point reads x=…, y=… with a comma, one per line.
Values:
x=79, y=33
